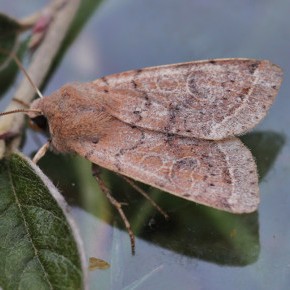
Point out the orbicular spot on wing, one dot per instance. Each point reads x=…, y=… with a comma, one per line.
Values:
x=182, y=173
x=152, y=163
x=168, y=83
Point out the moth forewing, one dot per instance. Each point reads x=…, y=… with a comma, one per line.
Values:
x=211, y=99
x=220, y=174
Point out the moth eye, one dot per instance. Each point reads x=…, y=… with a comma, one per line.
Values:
x=40, y=122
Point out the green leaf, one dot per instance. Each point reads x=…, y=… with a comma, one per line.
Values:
x=9, y=72
x=9, y=30
x=39, y=246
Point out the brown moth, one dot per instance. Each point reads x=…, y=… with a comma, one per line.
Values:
x=170, y=126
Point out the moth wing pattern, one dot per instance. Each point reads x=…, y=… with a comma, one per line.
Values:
x=211, y=99
x=220, y=174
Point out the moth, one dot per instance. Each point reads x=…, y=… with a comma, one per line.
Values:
x=172, y=127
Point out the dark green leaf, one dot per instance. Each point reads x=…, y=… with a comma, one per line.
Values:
x=9, y=30
x=39, y=247
x=9, y=71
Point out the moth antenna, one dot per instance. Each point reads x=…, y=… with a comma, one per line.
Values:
x=18, y=62
x=21, y=111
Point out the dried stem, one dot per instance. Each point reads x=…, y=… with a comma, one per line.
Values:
x=63, y=12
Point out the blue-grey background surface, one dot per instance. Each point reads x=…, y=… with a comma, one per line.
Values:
x=130, y=34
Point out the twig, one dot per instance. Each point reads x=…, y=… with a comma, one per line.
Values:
x=40, y=63
x=50, y=9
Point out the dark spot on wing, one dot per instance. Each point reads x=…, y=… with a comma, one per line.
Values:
x=104, y=79
x=245, y=91
x=186, y=164
x=169, y=137
x=134, y=84
x=253, y=66
x=138, y=115
x=95, y=140
x=148, y=102
x=89, y=154
x=138, y=71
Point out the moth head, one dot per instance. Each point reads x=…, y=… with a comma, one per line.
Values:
x=39, y=123
x=37, y=119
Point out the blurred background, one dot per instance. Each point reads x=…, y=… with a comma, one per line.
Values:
x=199, y=248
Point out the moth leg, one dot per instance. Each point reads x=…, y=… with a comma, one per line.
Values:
x=41, y=152
x=142, y=192
x=115, y=203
